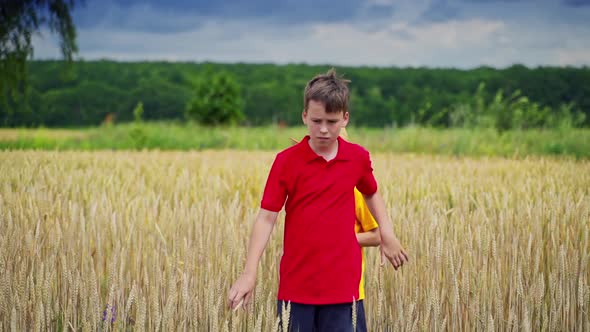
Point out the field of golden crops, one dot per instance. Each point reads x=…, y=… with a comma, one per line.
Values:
x=153, y=240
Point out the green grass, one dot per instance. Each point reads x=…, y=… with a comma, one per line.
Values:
x=169, y=136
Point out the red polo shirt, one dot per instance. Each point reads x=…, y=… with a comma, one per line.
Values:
x=321, y=261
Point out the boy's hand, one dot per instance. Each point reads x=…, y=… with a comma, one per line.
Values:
x=241, y=292
x=394, y=252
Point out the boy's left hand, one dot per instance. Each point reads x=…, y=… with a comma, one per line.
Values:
x=394, y=252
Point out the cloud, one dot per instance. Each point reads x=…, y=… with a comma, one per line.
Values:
x=440, y=11
x=496, y=1
x=449, y=33
x=154, y=15
x=577, y=3
x=573, y=58
x=333, y=43
x=135, y=17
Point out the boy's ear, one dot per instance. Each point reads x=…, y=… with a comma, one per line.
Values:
x=304, y=117
x=346, y=117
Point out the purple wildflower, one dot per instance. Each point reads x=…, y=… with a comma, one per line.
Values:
x=113, y=309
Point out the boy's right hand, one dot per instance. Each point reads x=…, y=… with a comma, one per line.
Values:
x=242, y=290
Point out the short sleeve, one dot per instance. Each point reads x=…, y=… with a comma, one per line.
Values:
x=275, y=191
x=363, y=215
x=367, y=183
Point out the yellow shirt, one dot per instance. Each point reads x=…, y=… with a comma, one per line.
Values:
x=364, y=223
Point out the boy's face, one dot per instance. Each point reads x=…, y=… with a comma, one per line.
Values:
x=323, y=127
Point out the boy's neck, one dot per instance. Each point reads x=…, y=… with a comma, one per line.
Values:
x=328, y=152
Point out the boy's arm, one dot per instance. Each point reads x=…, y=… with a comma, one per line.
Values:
x=390, y=245
x=243, y=287
x=370, y=238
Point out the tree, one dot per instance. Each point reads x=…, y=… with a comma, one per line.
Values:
x=161, y=99
x=19, y=20
x=138, y=112
x=86, y=104
x=216, y=101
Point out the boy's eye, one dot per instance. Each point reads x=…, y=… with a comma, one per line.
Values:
x=332, y=121
x=316, y=121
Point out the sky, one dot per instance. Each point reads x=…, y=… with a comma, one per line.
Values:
x=404, y=33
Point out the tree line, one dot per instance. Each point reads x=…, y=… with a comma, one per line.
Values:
x=88, y=93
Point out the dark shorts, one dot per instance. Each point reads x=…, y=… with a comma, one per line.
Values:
x=320, y=318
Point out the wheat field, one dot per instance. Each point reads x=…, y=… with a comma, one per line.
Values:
x=153, y=240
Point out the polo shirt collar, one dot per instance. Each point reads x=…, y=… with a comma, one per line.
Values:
x=344, y=150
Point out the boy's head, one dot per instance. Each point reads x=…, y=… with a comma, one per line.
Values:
x=329, y=90
x=326, y=109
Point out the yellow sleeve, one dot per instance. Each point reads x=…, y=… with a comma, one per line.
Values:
x=363, y=215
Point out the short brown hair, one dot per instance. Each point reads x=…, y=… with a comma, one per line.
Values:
x=330, y=90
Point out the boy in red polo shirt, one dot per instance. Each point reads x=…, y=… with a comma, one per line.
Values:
x=367, y=233
x=314, y=180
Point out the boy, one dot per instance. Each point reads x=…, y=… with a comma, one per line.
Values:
x=321, y=265
x=367, y=235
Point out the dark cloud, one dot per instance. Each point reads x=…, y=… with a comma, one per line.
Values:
x=377, y=11
x=492, y=1
x=140, y=17
x=482, y=31
x=158, y=16
x=577, y=3
x=439, y=11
